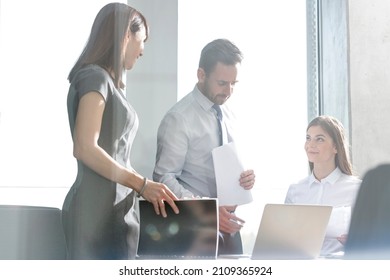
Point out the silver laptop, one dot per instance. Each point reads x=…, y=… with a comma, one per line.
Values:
x=191, y=234
x=291, y=231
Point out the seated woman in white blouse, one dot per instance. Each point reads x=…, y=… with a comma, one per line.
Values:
x=331, y=181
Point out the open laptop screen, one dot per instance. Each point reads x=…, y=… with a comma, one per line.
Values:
x=191, y=234
x=291, y=231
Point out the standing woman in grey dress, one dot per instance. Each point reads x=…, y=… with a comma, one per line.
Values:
x=99, y=218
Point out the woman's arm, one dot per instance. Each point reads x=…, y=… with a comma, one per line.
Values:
x=86, y=149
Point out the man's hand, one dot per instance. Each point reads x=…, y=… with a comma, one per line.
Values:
x=247, y=179
x=228, y=221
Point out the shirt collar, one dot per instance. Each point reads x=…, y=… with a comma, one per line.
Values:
x=203, y=101
x=331, y=178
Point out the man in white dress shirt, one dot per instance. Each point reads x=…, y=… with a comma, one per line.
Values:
x=190, y=131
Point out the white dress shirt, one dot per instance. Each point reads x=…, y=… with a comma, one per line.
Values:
x=186, y=136
x=338, y=190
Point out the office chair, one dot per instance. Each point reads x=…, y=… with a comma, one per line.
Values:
x=31, y=233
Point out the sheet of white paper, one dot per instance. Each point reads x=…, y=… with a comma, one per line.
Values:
x=228, y=167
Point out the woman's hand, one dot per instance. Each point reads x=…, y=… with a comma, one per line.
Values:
x=158, y=194
x=342, y=238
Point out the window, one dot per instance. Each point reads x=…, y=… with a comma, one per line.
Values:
x=271, y=96
x=37, y=52
x=36, y=163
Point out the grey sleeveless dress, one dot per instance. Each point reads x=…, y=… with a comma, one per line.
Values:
x=99, y=216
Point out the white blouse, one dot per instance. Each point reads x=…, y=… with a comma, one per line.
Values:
x=338, y=190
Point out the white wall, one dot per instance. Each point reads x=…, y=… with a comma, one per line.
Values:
x=369, y=41
x=152, y=84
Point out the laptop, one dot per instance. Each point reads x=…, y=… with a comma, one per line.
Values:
x=191, y=234
x=291, y=231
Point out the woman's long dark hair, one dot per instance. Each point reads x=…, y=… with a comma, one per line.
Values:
x=105, y=44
